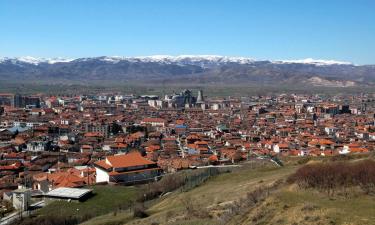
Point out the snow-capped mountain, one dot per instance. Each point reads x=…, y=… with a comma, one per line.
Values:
x=33, y=60
x=198, y=60
x=202, y=60
x=186, y=69
x=318, y=62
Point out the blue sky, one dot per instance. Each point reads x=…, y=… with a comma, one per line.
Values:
x=263, y=29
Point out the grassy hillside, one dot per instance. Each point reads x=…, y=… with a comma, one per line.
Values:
x=251, y=195
x=291, y=205
x=205, y=202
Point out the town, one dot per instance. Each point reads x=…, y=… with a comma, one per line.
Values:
x=54, y=147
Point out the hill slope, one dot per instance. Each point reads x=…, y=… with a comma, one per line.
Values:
x=251, y=196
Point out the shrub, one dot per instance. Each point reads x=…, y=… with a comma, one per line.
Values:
x=303, y=160
x=341, y=157
x=331, y=176
x=255, y=197
x=48, y=220
x=194, y=210
x=171, y=182
x=140, y=210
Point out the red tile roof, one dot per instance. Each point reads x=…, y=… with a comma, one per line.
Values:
x=153, y=120
x=122, y=161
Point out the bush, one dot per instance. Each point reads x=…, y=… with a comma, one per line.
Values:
x=253, y=198
x=331, y=176
x=140, y=210
x=168, y=183
x=48, y=220
x=171, y=182
x=341, y=157
x=194, y=210
x=303, y=160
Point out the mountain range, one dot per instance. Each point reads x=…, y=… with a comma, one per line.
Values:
x=194, y=69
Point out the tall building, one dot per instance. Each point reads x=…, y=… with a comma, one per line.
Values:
x=200, y=98
x=181, y=100
x=7, y=99
x=20, y=101
x=104, y=129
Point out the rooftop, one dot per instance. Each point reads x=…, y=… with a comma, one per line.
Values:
x=72, y=193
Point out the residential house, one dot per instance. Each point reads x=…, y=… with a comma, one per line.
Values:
x=126, y=168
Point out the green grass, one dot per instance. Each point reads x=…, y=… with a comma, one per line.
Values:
x=106, y=199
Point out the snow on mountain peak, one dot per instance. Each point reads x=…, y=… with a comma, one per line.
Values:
x=29, y=59
x=194, y=58
x=58, y=60
x=202, y=60
x=180, y=59
x=33, y=60
x=319, y=62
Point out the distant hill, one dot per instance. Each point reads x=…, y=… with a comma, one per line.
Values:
x=193, y=69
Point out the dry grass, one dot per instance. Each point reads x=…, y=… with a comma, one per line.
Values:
x=210, y=198
x=215, y=202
